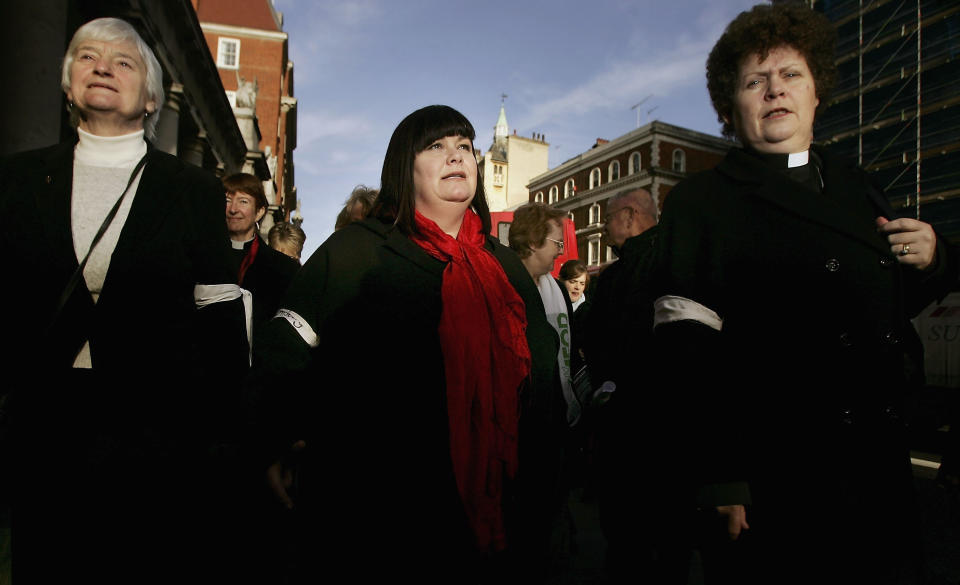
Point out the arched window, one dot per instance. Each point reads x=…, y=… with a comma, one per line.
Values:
x=594, y=178
x=538, y=197
x=593, y=250
x=634, y=165
x=554, y=194
x=614, y=171
x=595, y=214
x=569, y=189
x=570, y=215
x=679, y=161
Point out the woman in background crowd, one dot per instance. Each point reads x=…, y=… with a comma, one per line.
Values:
x=127, y=315
x=287, y=238
x=265, y=272
x=574, y=276
x=357, y=207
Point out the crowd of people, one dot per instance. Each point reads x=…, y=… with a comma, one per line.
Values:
x=185, y=402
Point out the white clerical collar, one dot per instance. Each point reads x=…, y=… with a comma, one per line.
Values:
x=240, y=245
x=798, y=159
x=110, y=151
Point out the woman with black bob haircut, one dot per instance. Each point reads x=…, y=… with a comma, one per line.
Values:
x=416, y=439
x=788, y=284
x=397, y=202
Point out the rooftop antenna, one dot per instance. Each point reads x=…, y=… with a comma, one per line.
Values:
x=650, y=111
x=637, y=105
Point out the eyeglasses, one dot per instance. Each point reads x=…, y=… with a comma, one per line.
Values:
x=609, y=216
x=559, y=244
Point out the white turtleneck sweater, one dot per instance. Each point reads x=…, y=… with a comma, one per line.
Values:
x=101, y=169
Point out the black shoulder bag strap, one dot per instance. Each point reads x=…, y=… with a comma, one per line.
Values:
x=78, y=273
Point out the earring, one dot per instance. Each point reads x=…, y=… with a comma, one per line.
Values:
x=70, y=105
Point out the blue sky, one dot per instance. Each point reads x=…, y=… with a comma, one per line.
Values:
x=571, y=70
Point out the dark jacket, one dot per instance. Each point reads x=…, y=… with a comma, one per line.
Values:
x=145, y=328
x=267, y=279
x=370, y=399
x=800, y=394
x=620, y=327
x=109, y=448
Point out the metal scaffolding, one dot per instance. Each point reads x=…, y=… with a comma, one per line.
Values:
x=896, y=107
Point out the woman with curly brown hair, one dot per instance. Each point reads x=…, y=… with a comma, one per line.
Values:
x=788, y=283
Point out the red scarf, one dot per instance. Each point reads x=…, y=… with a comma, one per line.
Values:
x=249, y=257
x=486, y=358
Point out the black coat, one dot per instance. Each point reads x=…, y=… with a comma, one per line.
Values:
x=267, y=279
x=370, y=401
x=108, y=448
x=800, y=394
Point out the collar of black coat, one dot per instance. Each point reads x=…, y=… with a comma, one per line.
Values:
x=841, y=180
x=638, y=244
x=802, y=167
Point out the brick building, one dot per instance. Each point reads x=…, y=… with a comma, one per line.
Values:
x=250, y=50
x=654, y=157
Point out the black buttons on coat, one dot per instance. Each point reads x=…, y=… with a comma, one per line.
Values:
x=887, y=261
x=846, y=340
x=891, y=338
x=832, y=265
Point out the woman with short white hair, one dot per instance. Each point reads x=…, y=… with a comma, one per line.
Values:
x=124, y=308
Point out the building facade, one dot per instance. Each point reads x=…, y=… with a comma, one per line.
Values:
x=896, y=107
x=509, y=165
x=250, y=50
x=654, y=157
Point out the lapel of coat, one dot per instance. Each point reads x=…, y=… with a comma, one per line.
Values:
x=152, y=202
x=797, y=199
x=409, y=250
x=53, y=208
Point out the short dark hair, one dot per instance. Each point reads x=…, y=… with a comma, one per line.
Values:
x=397, y=199
x=573, y=269
x=760, y=30
x=530, y=226
x=246, y=183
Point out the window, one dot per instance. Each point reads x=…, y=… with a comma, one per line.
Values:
x=634, y=165
x=614, y=171
x=595, y=214
x=593, y=250
x=554, y=194
x=228, y=53
x=538, y=197
x=569, y=189
x=594, y=178
x=570, y=215
x=679, y=161
x=609, y=254
x=498, y=175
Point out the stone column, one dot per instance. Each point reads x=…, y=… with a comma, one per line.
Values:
x=195, y=149
x=168, y=127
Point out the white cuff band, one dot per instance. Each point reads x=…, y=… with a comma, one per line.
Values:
x=669, y=308
x=300, y=325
